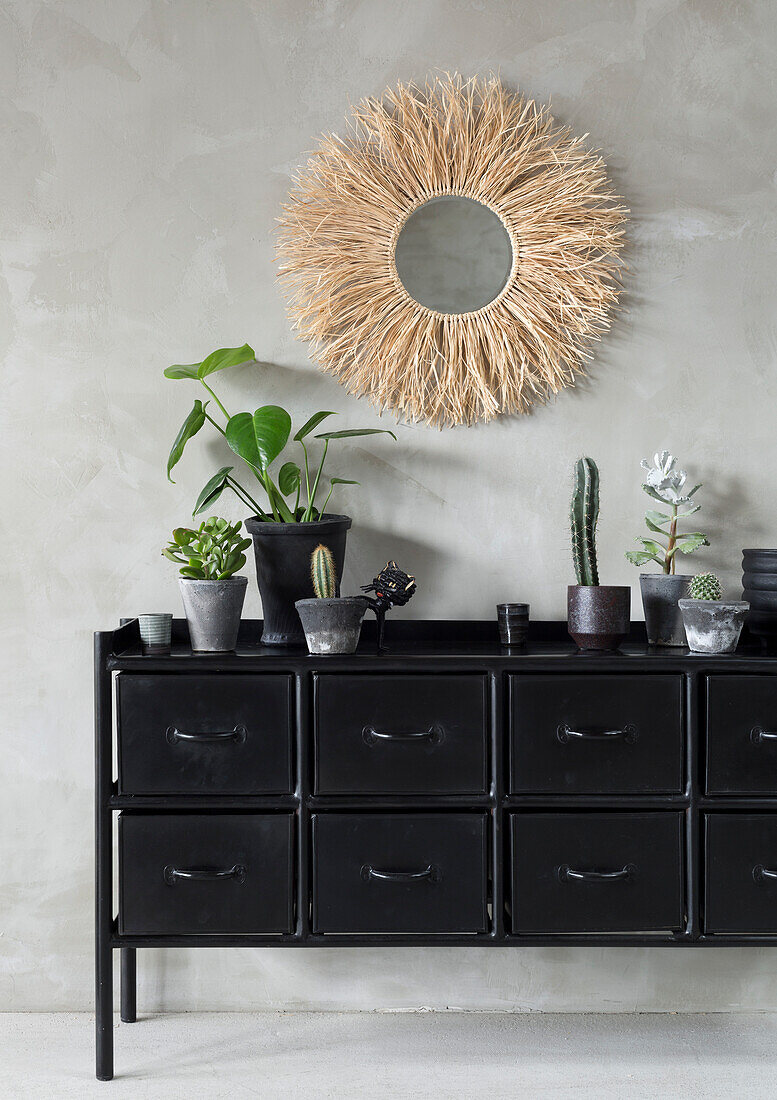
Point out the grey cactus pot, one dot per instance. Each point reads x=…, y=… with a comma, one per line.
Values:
x=332, y=625
x=663, y=618
x=713, y=626
x=213, y=610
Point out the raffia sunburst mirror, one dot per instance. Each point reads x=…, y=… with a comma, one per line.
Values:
x=455, y=255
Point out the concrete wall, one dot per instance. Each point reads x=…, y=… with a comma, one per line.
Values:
x=146, y=148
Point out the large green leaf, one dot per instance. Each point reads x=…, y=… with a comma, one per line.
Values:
x=212, y=490
x=308, y=427
x=189, y=428
x=260, y=438
x=182, y=370
x=651, y=547
x=349, y=433
x=223, y=358
x=289, y=478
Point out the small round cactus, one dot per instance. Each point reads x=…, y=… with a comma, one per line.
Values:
x=323, y=572
x=705, y=586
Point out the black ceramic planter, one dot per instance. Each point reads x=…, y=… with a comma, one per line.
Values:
x=759, y=583
x=598, y=615
x=282, y=552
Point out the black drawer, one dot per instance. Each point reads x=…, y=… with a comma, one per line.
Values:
x=401, y=734
x=596, y=734
x=742, y=735
x=205, y=873
x=592, y=872
x=220, y=733
x=399, y=872
x=741, y=894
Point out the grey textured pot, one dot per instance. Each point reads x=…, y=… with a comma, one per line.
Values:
x=713, y=626
x=332, y=625
x=213, y=610
x=663, y=618
x=598, y=615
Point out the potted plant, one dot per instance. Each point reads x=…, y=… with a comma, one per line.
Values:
x=665, y=482
x=713, y=625
x=290, y=525
x=212, y=595
x=597, y=614
x=332, y=623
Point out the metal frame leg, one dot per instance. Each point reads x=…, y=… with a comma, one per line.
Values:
x=129, y=1007
x=103, y=859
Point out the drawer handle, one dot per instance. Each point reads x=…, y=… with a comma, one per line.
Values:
x=759, y=734
x=174, y=735
x=434, y=735
x=760, y=873
x=566, y=873
x=204, y=874
x=431, y=873
x=627, y=733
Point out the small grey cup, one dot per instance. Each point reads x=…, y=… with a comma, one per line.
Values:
x=513, y=619
x=155, y=632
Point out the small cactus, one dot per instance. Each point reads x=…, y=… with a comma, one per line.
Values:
x=705, y=586
x=323, y=572
x=583, y=514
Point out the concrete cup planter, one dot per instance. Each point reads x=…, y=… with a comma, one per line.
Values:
x=213, y=609
x=282, y=552
x=663, y=618
x=332, y=625
x=713, y=626
x=598, y=615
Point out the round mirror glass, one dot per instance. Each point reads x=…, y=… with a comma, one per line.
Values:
x=453, y=255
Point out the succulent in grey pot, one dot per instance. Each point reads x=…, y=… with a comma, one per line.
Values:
x=665, y=483
x=332, y=624
x=598, y=615
x=212, y=595
x=713, y=625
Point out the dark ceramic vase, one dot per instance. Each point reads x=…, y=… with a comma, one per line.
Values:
x=759, y=584
x=598, y=615
x=282, y=552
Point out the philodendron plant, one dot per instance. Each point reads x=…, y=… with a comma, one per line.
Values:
x=259, y=438
x=665, y=482
x=214, y=552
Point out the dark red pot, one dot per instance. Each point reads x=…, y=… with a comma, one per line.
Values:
x=598, y=615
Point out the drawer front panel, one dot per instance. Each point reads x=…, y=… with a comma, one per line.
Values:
x=742, y=735
x=220, y=734
x=399, y=872
x=401, y=734
x=596, y=734
x=198, y=873
x=592, y=872
x=740, y=893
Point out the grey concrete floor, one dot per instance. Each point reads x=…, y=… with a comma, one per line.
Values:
x=377, y=1056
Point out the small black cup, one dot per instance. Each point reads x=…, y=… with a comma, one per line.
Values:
x=513, y=619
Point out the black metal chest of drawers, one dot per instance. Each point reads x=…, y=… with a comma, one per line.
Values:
x=445, y=791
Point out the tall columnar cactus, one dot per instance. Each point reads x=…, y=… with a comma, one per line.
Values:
x=705, y=586
x=584, y=513
x=323, y=572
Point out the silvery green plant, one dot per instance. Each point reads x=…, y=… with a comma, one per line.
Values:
x=213, y=552
x=258, y=438
x=665, y=482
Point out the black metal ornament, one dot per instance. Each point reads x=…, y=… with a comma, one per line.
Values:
x=393, y=588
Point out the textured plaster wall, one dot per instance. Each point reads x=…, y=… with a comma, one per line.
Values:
x=146, y=147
